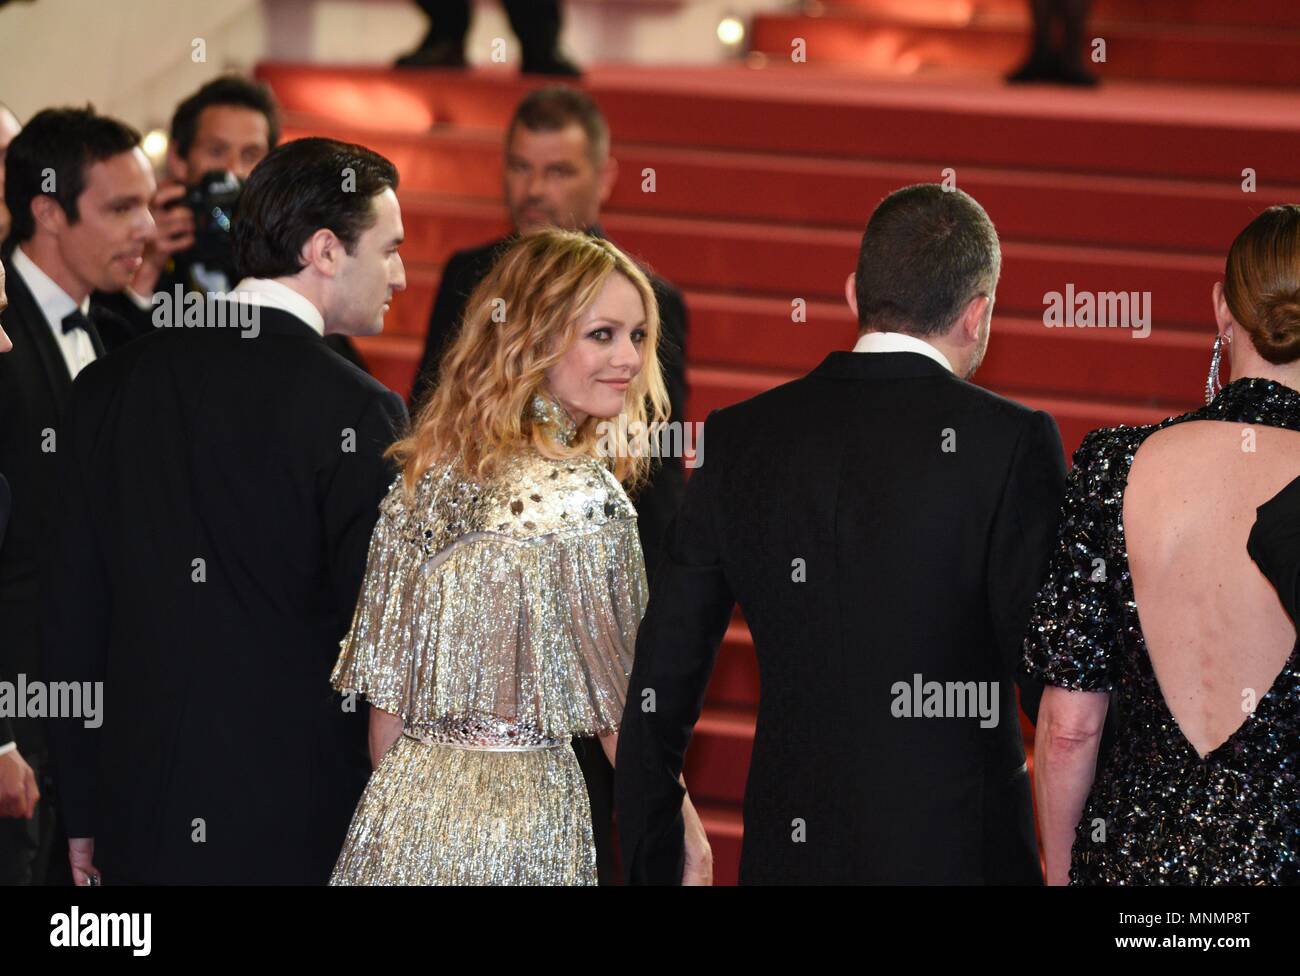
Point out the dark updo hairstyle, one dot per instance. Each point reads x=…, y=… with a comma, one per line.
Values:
x=1262, y=282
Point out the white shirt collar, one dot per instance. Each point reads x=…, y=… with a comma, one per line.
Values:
x=52, y=300
x=900, y=342
x=274, y=294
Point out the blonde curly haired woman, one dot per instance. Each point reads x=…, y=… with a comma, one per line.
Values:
x=505, y=582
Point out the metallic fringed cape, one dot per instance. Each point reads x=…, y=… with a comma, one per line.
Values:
x=498, y=620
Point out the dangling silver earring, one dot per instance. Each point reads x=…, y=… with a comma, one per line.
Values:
x=1212, y=384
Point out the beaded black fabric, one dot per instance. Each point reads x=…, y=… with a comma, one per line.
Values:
x=1158, y=813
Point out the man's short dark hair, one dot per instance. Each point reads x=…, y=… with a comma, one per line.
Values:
x=299, y=188
x=925, y=254
x=226, y=90
x=555, y=107
x=50, y=157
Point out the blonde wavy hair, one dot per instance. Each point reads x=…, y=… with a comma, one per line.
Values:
x=518, y=323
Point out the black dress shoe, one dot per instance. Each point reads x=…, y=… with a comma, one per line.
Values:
x=1075, y=74
x=1039, y=67
x=550, y=63
x=441, y=54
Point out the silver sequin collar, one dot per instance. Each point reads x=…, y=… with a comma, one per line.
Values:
x=550, y=414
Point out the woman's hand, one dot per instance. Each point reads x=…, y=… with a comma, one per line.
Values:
x=81, y=855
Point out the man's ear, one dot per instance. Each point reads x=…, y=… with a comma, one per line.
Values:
x=47, y=214
x=608, y=177
x=323, y=251
x=851, y=292
x=972, y=319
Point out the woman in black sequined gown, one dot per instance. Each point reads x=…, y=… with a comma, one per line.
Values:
x=1160, y=809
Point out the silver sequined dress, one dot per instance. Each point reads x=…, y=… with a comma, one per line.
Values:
x=498, y=620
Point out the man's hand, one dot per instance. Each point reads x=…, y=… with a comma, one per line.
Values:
x=81, y=855
x=18, y=791
x=173, y=233
x=698, y=868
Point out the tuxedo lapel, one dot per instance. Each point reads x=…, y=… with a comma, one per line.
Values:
x=92, y=330
x=25, y=321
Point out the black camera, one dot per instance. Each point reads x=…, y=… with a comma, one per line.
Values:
x=212, y=200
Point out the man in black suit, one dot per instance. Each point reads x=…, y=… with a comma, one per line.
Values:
x=19, y=791
x=77, y=187
x=886, y=566
x=219, y=480
x=558, y=173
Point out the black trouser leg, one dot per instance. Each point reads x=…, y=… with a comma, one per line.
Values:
x=1044, y=12
x=448, y=21
x=19, y=844
x=1075, y=16
x=28, y=847
x=537, y=25
x=599, y=775
x=58, y=870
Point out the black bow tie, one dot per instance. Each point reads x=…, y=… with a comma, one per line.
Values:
x=76, y=320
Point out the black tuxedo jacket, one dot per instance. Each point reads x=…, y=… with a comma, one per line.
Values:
x=6, y=726
x=658, y=500
x=34, y=386
x=876, y=520
x=212, y=513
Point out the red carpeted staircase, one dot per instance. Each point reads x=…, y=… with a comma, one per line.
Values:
x=764, y=180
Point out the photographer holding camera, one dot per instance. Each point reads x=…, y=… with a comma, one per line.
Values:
x=221, y=131
x=218, y=135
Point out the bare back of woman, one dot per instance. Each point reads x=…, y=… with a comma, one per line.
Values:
x=1215, y=629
